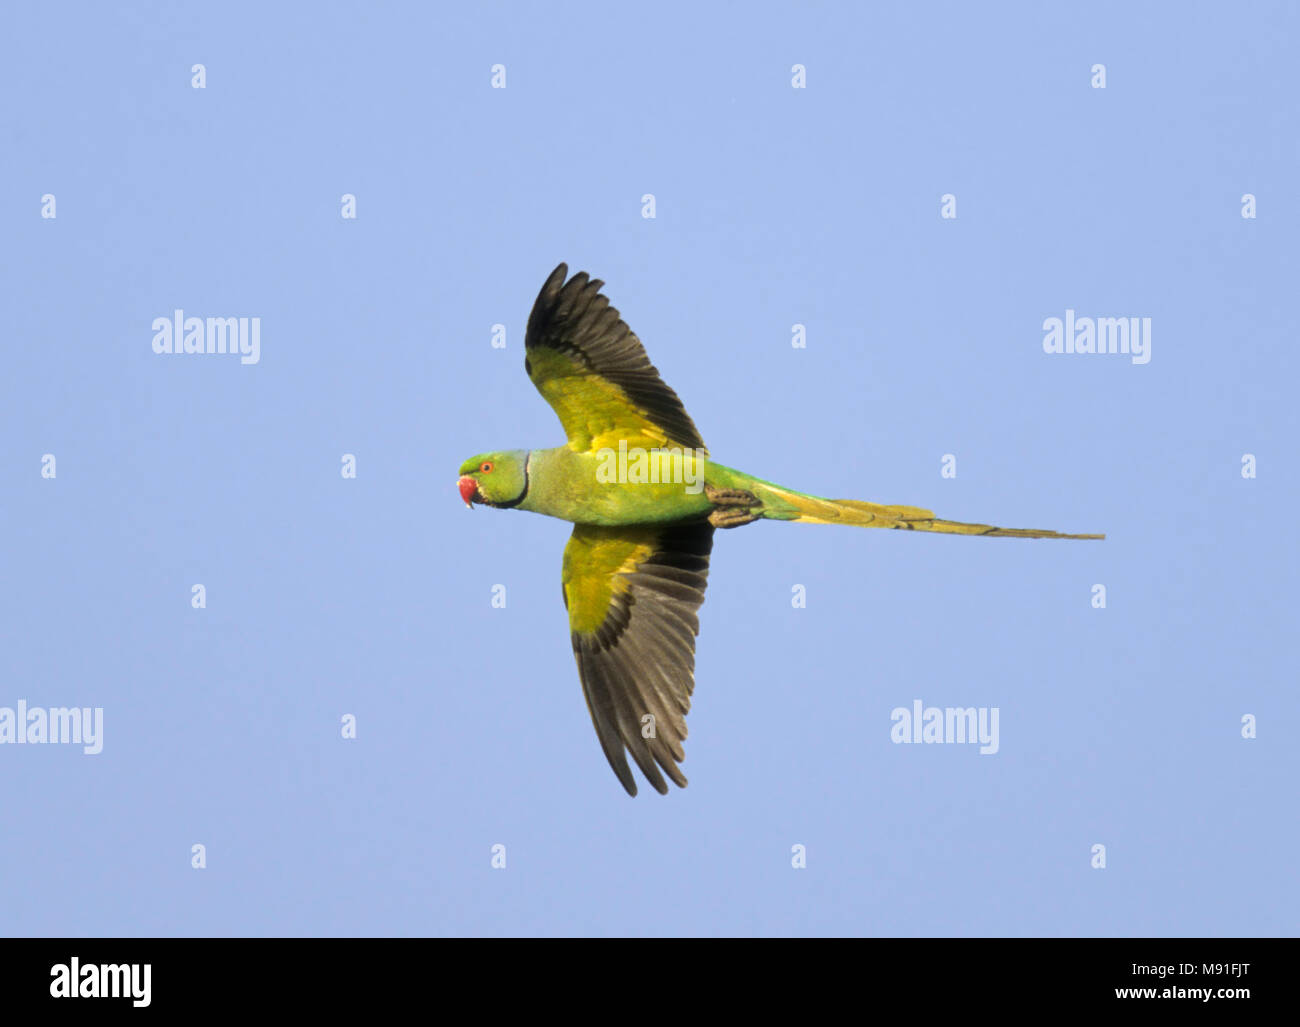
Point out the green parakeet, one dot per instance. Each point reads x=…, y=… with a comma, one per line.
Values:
x=645, y=499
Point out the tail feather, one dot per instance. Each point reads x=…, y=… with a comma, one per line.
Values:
x=813, y=510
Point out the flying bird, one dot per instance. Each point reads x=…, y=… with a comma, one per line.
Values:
x=645, y=499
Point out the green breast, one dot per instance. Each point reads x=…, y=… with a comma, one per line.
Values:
x=624, y=486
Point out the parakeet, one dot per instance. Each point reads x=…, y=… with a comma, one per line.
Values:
x=645, y=498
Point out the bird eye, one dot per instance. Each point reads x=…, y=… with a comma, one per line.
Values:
x=487, y=466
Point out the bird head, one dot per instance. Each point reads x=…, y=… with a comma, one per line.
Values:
x=495, y=479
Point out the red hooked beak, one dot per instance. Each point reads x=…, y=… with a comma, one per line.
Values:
x=468, y=489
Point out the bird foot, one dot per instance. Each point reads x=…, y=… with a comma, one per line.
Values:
x=732, y=507
x=731, y=517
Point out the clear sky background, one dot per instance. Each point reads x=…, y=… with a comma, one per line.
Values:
x=775, y=206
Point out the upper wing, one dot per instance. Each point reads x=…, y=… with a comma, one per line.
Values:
x=633, y=594
x=595, y=373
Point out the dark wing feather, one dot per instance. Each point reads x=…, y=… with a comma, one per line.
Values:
x=639, y=657
x=595, y=373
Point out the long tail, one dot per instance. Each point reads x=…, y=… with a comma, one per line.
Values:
x=806, y=509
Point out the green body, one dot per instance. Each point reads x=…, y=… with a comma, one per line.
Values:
x=569, y=485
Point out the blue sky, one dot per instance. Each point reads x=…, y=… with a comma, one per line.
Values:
x=774, y=206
